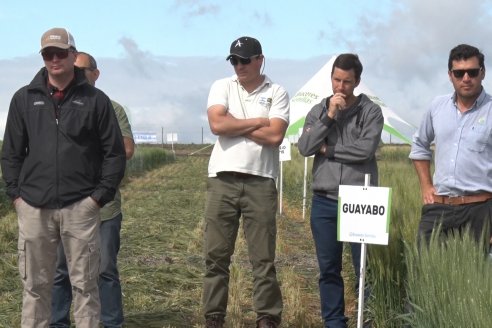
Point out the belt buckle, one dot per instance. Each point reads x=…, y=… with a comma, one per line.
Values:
x=456, y=200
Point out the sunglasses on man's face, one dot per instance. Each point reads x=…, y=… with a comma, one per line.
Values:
x=50, y=54
x=244, y=61
x=472, y=72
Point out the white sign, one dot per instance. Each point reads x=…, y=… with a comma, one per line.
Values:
x=364, y=214
x=172, y=137
x=284, y=150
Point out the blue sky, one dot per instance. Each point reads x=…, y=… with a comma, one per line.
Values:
x=159, y=58
x=287, y=29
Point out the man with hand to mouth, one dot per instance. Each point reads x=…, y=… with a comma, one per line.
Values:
x=343, y=133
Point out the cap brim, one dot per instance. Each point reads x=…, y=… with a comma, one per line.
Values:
x=56, y=45
x=237, y=55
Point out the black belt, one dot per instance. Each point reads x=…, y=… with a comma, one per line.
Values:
x=239, y=175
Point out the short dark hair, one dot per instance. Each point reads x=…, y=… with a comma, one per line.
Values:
x=92, y=60
x=463, y=52
x=348, y=62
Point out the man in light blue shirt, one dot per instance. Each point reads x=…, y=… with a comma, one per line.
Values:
x=459, y=195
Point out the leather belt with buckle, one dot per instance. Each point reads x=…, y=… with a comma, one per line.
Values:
x=462, y=200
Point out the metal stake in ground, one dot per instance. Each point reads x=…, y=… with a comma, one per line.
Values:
x=362, y=276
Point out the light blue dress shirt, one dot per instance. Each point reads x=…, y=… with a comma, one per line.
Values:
x=463, y=145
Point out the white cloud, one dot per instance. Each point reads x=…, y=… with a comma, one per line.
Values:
x=405, y=57
x=194, y=8
x=404, y=53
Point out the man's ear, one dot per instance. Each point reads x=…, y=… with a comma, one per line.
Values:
x=96, y=73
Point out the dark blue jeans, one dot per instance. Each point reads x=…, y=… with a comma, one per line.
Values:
x=329, y=252
x=109, y=281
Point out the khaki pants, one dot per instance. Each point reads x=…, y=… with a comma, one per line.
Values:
x=40, y=231
x=255, y=199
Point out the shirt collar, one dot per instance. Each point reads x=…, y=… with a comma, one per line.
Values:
x=266, y=81
x=478, y=102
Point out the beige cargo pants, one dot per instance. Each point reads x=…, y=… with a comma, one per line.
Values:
x=40, y=231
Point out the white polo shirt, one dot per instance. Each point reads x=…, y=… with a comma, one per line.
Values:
x=240, y=154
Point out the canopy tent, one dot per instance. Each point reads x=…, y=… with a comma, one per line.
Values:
x=319, y=87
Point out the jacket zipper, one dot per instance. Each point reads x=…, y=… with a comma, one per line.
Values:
x=340, y=131
x=57, y=174
x=57, y=116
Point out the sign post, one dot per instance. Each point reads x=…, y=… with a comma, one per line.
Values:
x=172, y=138
x=284, y=155
x=364, y=217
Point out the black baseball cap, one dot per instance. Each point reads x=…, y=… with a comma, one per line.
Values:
x=245, y=47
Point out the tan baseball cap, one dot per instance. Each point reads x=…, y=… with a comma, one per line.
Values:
x=57, y=37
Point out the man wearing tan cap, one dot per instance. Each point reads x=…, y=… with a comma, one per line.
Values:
x=62, y=159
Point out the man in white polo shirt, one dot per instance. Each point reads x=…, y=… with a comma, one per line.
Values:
x=250, y=114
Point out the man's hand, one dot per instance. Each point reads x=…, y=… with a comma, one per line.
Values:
x=428, y=192
x=271, y=135
x=426, y=186
x=262, y=122
x=95, y=202
x=224, y=124
x=337, y=102
x=17, y=201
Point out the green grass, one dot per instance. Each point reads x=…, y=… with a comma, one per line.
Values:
x=161, y=260
x=386, y=264
x=161, y=254
x=147, y=158
x=449, y=284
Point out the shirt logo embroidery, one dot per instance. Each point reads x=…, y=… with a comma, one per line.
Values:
x=38, y=103
x=265, y=101
x=78, y=102
x=481, y=120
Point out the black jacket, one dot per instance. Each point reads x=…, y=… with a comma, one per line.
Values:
x=54, y=156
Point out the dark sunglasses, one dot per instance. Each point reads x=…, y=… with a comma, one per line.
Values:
x=472, y=72
x=244, y=61
x=50, y=54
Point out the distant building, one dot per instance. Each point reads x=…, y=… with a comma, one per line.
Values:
x=145, y=137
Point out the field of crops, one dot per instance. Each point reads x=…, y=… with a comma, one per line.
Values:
x=161, y=260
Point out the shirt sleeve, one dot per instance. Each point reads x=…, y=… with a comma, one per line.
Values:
x=422, y=139
x=280, y=104
x=219, y=93
x=123, y=122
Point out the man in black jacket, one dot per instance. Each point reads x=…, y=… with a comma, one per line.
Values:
x=62, y=159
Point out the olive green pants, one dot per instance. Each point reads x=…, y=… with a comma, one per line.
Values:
x=254, y=199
